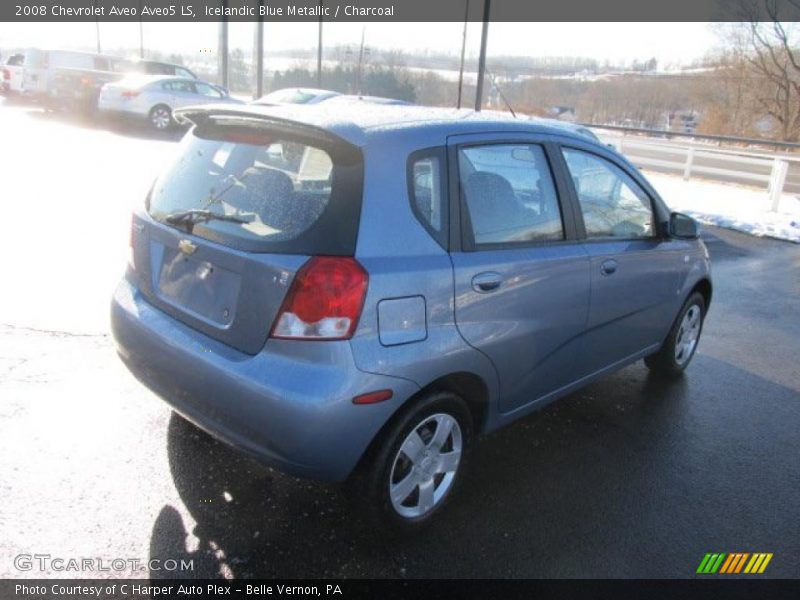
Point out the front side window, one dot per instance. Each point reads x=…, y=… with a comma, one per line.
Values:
x=509, y=194
x=206, y=90
x=612, y=204
x=427, y=194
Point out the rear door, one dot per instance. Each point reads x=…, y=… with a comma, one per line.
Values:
x=228, y=276
x=15, y=67
x=634, y=269
x=521, y=276
x=181, y=93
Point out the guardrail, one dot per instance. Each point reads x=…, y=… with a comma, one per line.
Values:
x=693, y=157
x=662, y=133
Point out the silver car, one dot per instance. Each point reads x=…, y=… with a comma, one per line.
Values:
x=154, y=98
x=306, y=96
x=355, y=294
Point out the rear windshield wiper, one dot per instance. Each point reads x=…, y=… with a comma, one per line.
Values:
x=201, y=215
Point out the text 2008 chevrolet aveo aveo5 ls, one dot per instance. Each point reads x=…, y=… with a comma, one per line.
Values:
x=355, y=295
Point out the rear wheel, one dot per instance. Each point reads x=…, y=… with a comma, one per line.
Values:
x=414, y=469
x=160, y=117
x=681, y=343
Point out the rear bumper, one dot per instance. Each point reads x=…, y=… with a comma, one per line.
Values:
x=290, y=405
x=119, y=107
x=119, y=112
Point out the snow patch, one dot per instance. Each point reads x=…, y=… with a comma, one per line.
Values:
x=731, y=206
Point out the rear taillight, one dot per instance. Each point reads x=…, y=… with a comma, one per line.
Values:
x=6, y=74
x=324, y=301
x=129, y=94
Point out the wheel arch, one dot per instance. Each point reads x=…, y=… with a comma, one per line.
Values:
x=466, y=385
x=703, y=286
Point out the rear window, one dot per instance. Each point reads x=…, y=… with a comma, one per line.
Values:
x=293, y=193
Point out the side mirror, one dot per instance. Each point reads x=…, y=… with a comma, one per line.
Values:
x=683, y=226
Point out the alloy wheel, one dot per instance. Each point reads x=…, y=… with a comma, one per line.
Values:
x=160, y=118
x=425, y=466
x=689, y=332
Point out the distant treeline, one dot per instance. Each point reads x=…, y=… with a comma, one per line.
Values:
x=372, y=81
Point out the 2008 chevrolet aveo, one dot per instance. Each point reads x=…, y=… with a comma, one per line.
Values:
x=354, y=295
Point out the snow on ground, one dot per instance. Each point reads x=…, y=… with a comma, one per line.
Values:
x=731, y=206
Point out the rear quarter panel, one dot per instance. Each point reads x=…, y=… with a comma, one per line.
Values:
x=404, y=261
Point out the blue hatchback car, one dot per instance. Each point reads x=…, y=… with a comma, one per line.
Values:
x=354, y=294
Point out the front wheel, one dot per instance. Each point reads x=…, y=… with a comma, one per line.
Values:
x=414, y=469
x=681, y=343
x=160, y=117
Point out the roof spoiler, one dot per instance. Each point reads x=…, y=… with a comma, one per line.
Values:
x=200, y=115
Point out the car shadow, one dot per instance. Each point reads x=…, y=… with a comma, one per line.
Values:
x=728, y=245
x=631, y=476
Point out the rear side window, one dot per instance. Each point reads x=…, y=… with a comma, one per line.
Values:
x=273, y=192
x=178, y=86
x=612, y=204
x=509, y=194
x=427, y=191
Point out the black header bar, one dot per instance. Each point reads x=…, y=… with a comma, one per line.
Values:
x=395, y=10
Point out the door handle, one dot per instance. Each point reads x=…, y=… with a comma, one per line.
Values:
x=608, y=267
x=486, y=282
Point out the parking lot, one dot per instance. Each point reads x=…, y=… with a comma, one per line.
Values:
x=629, y=477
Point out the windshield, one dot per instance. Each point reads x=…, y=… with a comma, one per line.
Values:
x=273, y=191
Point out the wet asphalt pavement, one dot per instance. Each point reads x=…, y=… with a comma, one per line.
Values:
x=629, y=477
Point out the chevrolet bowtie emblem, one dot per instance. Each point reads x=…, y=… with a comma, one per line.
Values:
x=187, y=247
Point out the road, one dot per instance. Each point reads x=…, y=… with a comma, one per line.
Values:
x=640, y=149
x=629, y=477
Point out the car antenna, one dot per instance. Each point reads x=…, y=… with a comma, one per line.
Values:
x=502, y=95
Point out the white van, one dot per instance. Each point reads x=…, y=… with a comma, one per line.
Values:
x=41, y=66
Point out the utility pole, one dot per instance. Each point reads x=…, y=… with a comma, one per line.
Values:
x=463, y=50
x=222, y=50
x=482, y=58
x=141, y=32
x=258, y=49
x=360, y=62
x=319, y=48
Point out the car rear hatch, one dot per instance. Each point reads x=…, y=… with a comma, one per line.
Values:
x=232, y=219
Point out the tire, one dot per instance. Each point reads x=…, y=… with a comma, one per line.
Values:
x=430, y=477
x=681, y=344
x=160, y=117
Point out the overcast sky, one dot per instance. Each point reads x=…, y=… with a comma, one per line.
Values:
x=670, y=43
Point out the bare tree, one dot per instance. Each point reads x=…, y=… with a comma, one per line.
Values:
x=770, y=50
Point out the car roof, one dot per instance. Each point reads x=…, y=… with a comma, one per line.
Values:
x=142, y=79
x=358, y=123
